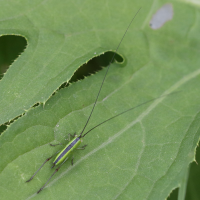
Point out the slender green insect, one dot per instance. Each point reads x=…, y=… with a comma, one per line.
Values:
x=77, y=140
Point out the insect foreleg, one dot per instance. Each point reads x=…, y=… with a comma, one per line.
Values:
x=69, y=138
x=70, y=135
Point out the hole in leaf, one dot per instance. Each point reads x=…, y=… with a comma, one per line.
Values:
x=95, y=64
x=11, y=46
x=92, y=66
x=164, y=14
x=35, y=105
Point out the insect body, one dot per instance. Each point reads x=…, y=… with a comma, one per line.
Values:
x=67, y=150
x=63, y=155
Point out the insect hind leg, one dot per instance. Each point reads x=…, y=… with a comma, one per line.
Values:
x=41, y=167
x=51, y=176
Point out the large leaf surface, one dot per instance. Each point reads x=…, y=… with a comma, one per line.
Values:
x=142, y=154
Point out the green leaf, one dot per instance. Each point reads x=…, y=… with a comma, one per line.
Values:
x=142, y=154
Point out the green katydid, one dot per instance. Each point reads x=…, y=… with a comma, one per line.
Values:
x=63, y=155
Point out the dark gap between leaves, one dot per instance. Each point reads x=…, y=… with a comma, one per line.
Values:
x=3, y=127
x=173, y=195
x=11, y=46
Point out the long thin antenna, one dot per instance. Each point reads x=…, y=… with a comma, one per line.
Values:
x=129, y=110
x=106, y=74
